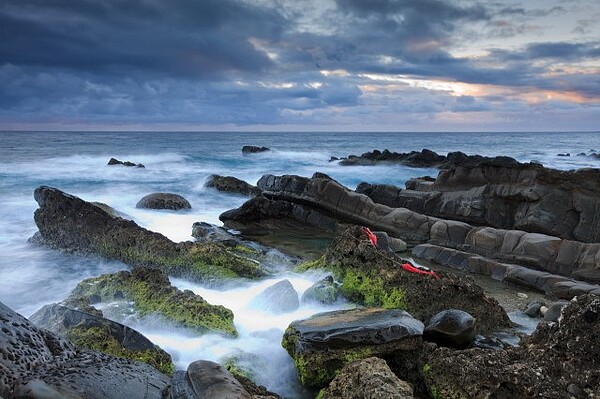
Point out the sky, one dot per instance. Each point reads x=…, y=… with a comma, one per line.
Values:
x=310, y=65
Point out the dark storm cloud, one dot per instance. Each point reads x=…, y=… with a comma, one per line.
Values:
x=179, y=37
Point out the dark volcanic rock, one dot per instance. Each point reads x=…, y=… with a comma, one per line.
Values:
x=230, y=184
x=205, y=379
x=114, y=161
x=170, y=201
x=252, y=149
x=561, y=360
x=322, y=344
x=37, y=363
x=97, y=333
x=452, y=327
x=278, y=298
x=69, y=223
x=368, y=378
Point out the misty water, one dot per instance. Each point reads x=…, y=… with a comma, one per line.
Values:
x=31, y=277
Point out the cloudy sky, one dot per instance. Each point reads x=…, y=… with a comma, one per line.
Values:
x=394, y=65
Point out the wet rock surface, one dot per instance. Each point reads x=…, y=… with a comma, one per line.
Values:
x=114, y=161
x=233, y=185
x=453, y=327
x=281, y=297
x=252, y=149
x=325, y=291
x=205, y=379
x=322, y=344
x=174, y=202
x=369, y=378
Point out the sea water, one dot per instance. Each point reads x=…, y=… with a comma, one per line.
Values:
x=76, y=162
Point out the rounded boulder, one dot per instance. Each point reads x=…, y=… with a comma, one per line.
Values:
x=169, y=201
x=453, y=327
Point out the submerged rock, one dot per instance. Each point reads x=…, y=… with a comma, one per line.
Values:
x=37, y=363
x=68, y=223
x=560, y=360
x=369, y=378
x=97, y=333
x=114, y=161
x=452, y=327
x=230, y=184
x=324, y=343
x=252, y=149
x=281, y=297
x=170, y=201
x=151, y=292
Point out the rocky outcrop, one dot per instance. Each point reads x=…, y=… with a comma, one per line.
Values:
x=94, y=332
x=232, y=185
x=37, y=363
x=325, y=291
x=421, y=159
x=174, y=202
x=281, y=297
x=114, y=161
x=373, y=277
x=560, y=360
x=68, y=223
x=369, y=378
x=452, y=327
x=517, y=196
x=322, y=344
x=252, y=149
x=151, y=292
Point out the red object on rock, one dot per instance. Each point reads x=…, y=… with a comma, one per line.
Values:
x=371, y=235
x=419, y=270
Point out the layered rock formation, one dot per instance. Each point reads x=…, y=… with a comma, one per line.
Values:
x=233, y=185
x=68, y=223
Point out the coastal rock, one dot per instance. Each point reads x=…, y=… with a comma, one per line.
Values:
x=534, y=309
x=90, y=331
x=324, y=343
x=369, y=378
x=554, y=311
x=111, y=211
x=151, y=292
x=560, y=360
x=114, y=161
x=281, y=297
x=230, y=184
x=372, y=277
x=325, y=291
x=252, y=149
x=68, y=223
x=37, y=363
x=174, y=202
x=206, y=232
x=453, y=327
x=205, y=379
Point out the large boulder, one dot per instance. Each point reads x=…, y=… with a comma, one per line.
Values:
x=174, y=202
x=324, y=343
x=68, y=223
x=560, y=360
x=281, y=297
x=151, y=292
x=97, y=333
x=451, y=327
x=369, y=378
x=373, y=277
x=38, y=363
x=233, y=185
x=205, y=379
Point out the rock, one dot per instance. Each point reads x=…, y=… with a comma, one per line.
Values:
x=252, y=149
x=492, y=343
x=351, y=259
x=114, y=161
x=281, y=297
x=369, y=378
x=324, y=343
x=564, y=155
x=151, y=292
x=170, y=201
x=534, y=308
x=111, y=211
x=68, y=223
x=97, y=333
x=37, y=363
x=206, y=380
x=206, y=232
x=325, y=291
x=557, y=360
x=454, y=328
x=230, y=184
x=554, y=311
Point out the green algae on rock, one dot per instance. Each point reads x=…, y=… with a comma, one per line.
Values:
x=151, y=292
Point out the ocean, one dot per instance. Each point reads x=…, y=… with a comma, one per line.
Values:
x=178, y=162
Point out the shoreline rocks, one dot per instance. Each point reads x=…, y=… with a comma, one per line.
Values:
x=232, y=185
x=170, y=201
x=252, y=149
x=114, y=161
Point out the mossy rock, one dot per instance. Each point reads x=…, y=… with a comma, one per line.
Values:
x=100, y=340
x=151, y=292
